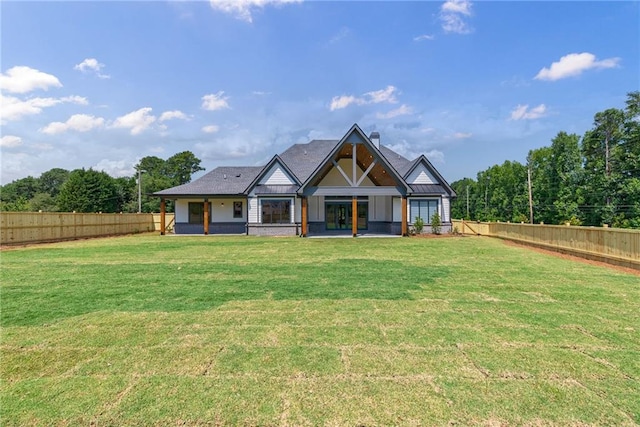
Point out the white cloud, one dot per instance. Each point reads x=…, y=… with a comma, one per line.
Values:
x=423, y=37
x=374, y=97
x=522, y=112
x=211, y=129
x=10, y=141
x=23, y=79
x=383, y=95
x=400, y=111
x=574, y=64
x=213, y=102
x=453, y=14
x=115, y=168
x=137, y=121
x=91, y=65
x=457, y=6
x=242, y=9
x=462, y=135
x=77, y=122
x=343, y=101
x=175, y=114
x=14, y=108
x=435, y=156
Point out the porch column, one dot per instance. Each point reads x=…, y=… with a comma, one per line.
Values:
x=354, y=216
x=303, y=231
x=206, y=216
x=404, y=215
x=162, y=216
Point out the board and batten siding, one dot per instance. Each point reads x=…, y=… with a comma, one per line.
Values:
x=316, y=208
x=397, y=209
x=445, y=210
x=276, y=176
x=253, y=210
x=421, y=175
x=380, y=208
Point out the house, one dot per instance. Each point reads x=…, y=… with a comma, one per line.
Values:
x=349, y=186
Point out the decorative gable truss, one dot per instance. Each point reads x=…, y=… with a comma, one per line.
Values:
x=355, y=167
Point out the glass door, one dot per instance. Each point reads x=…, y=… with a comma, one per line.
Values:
x=338, y=215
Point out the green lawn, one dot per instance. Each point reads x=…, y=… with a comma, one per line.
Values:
x=151, y=330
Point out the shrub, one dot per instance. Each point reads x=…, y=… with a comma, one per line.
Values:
x=436, y=223
x=418, y=224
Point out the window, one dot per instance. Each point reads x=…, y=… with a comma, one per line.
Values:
x=196, y=213
x=424, y=209
x=237, y=209
x=276, y=211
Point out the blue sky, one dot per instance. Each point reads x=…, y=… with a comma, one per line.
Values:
x=469, y=84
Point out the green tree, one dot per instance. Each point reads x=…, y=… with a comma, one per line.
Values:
x=88, y=191
x=181, y=166
x=463, y=188
x=52, y=180
x=565, y=174
x=158, y=174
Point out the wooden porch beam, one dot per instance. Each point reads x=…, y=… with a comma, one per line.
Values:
x=404, y=215
x=354, y=216
x=163, y=209
x=206, y=216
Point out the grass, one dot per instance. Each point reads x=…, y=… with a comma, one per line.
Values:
x=151, y=330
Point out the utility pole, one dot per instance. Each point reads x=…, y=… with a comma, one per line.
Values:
x=468, y=217
x=530, y=195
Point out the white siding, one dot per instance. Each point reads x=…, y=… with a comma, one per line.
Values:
x=253, y=210
x=222, y=210
x=316, y=208
x=182, y=209
x=380, y=208
x=276, y=176
x=421, y=175
x=397, y=209
x=446, y=210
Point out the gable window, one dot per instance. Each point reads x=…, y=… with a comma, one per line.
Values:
x=424, y=209
x=276, y=211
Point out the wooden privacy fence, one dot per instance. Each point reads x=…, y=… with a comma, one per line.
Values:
x=613, y=245
x=36, y=227
x=169, y=222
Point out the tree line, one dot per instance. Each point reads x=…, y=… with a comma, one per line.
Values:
x=89, y=190
x=590, y=180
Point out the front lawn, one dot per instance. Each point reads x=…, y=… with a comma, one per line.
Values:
x=152, y=330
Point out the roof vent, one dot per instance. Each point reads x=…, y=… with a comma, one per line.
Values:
x=224, y=176
x=375, y=138
x=238, y=175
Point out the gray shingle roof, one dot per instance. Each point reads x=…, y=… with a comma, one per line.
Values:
x=220, y=181
x=399, y=163
x=303, y=159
